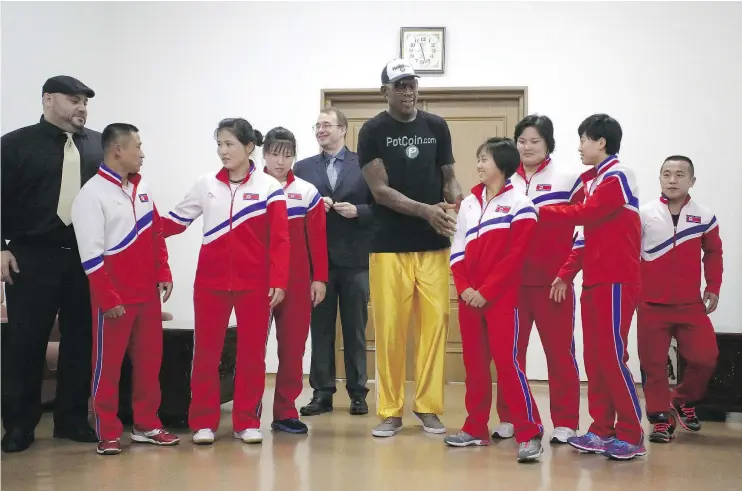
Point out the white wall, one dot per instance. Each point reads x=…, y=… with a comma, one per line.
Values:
x=665, y=71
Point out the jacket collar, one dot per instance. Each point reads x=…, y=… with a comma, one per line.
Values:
x=665, y=200
x=223, y=174
x=607, y=164
x=109, y=175
x=522, y=170
x=478, y=191
x=290, y=177
x=599, y=169
x=340, y=155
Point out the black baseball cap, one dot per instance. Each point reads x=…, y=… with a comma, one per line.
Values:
x=64, y=84
x=396, y=70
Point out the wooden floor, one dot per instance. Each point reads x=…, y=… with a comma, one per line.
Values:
x=340, y=454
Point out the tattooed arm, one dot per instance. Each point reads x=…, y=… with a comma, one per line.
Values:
x=378, y=181
x=451, y=189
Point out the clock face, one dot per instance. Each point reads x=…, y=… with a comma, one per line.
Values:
x=423, y=49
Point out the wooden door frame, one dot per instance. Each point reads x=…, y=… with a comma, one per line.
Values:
x=327, y=96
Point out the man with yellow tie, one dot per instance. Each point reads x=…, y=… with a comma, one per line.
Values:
x=43, y=167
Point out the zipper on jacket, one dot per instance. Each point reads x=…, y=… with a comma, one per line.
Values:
x=479, y=223
x=529, y=179
x=133, y=205
x=133, y=209
x=528, y=182
x=674, y=244
x=231, y=236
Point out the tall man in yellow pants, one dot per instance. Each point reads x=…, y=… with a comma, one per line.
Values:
x=407, y=159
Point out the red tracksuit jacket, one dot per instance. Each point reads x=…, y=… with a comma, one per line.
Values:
x=307, y=231
x=491, y=242
x=119, y=235
x=671, y=255
x=550, y=246
x=612, y=227
x=246, y=236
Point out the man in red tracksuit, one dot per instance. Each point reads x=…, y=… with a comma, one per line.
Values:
x=675, y=230
x=307, y=278
x=545, y=183
x=123, y=252
x=493, y=230
x=611, y=287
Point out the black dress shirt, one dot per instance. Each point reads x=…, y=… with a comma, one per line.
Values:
x=31, y=162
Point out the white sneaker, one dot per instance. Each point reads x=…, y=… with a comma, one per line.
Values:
x=203, y=437
x=561, y=434
x=505, y=430
x=250, y=435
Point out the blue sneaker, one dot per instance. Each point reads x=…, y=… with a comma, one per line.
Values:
x=291, y=425
x=590, y=443
x=621, y=450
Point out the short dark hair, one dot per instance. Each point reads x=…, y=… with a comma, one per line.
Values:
x=543, y=126
x=279, y=140
x=680, y=158
x=600, y=126
x=241, y=129
x=114, y=131
x=504, y=152
x=339, y=115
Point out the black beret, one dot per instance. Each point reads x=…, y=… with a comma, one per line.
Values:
x=64, y=84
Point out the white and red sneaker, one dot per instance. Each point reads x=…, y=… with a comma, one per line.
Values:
x=109, y=447
x=158, y=436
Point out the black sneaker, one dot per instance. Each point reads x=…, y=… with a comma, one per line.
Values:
x=291, y=425
x=686, y=417
x=358, y=406
x=317, y=405
x=663, y=432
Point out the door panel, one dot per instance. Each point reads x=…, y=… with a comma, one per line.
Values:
x=473, y=115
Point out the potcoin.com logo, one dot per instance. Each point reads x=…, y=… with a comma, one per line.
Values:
x=412, y=152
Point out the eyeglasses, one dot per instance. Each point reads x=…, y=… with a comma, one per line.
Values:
x=324, y=126
x=401, y=86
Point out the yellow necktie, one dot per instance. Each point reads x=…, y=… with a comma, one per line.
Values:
x=70, y=180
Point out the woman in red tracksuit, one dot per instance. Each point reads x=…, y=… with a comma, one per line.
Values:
x=307, y=278
x=243, y=265
x=494, y=227
x=545, y=183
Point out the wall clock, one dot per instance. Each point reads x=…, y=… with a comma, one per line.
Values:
x=424, y=48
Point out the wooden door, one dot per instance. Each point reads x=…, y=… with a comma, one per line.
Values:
x=473, y=115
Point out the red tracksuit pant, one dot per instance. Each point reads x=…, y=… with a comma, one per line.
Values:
x=292, y=330
x=607, y=311
x=212, y=311
x=555, y=323
x=486, y=334
x=139, y=331
x=697, y=346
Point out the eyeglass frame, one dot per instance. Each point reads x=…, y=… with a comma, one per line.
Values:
x=412, y=85
x=317, y=126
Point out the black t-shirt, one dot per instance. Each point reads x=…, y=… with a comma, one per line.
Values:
x=675, y=219
x=413, y=154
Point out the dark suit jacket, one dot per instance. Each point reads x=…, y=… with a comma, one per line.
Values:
x=348, y=239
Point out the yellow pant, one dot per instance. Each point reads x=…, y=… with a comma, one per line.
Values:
x=401, y=282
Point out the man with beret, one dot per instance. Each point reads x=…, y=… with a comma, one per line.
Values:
x=43, y=167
